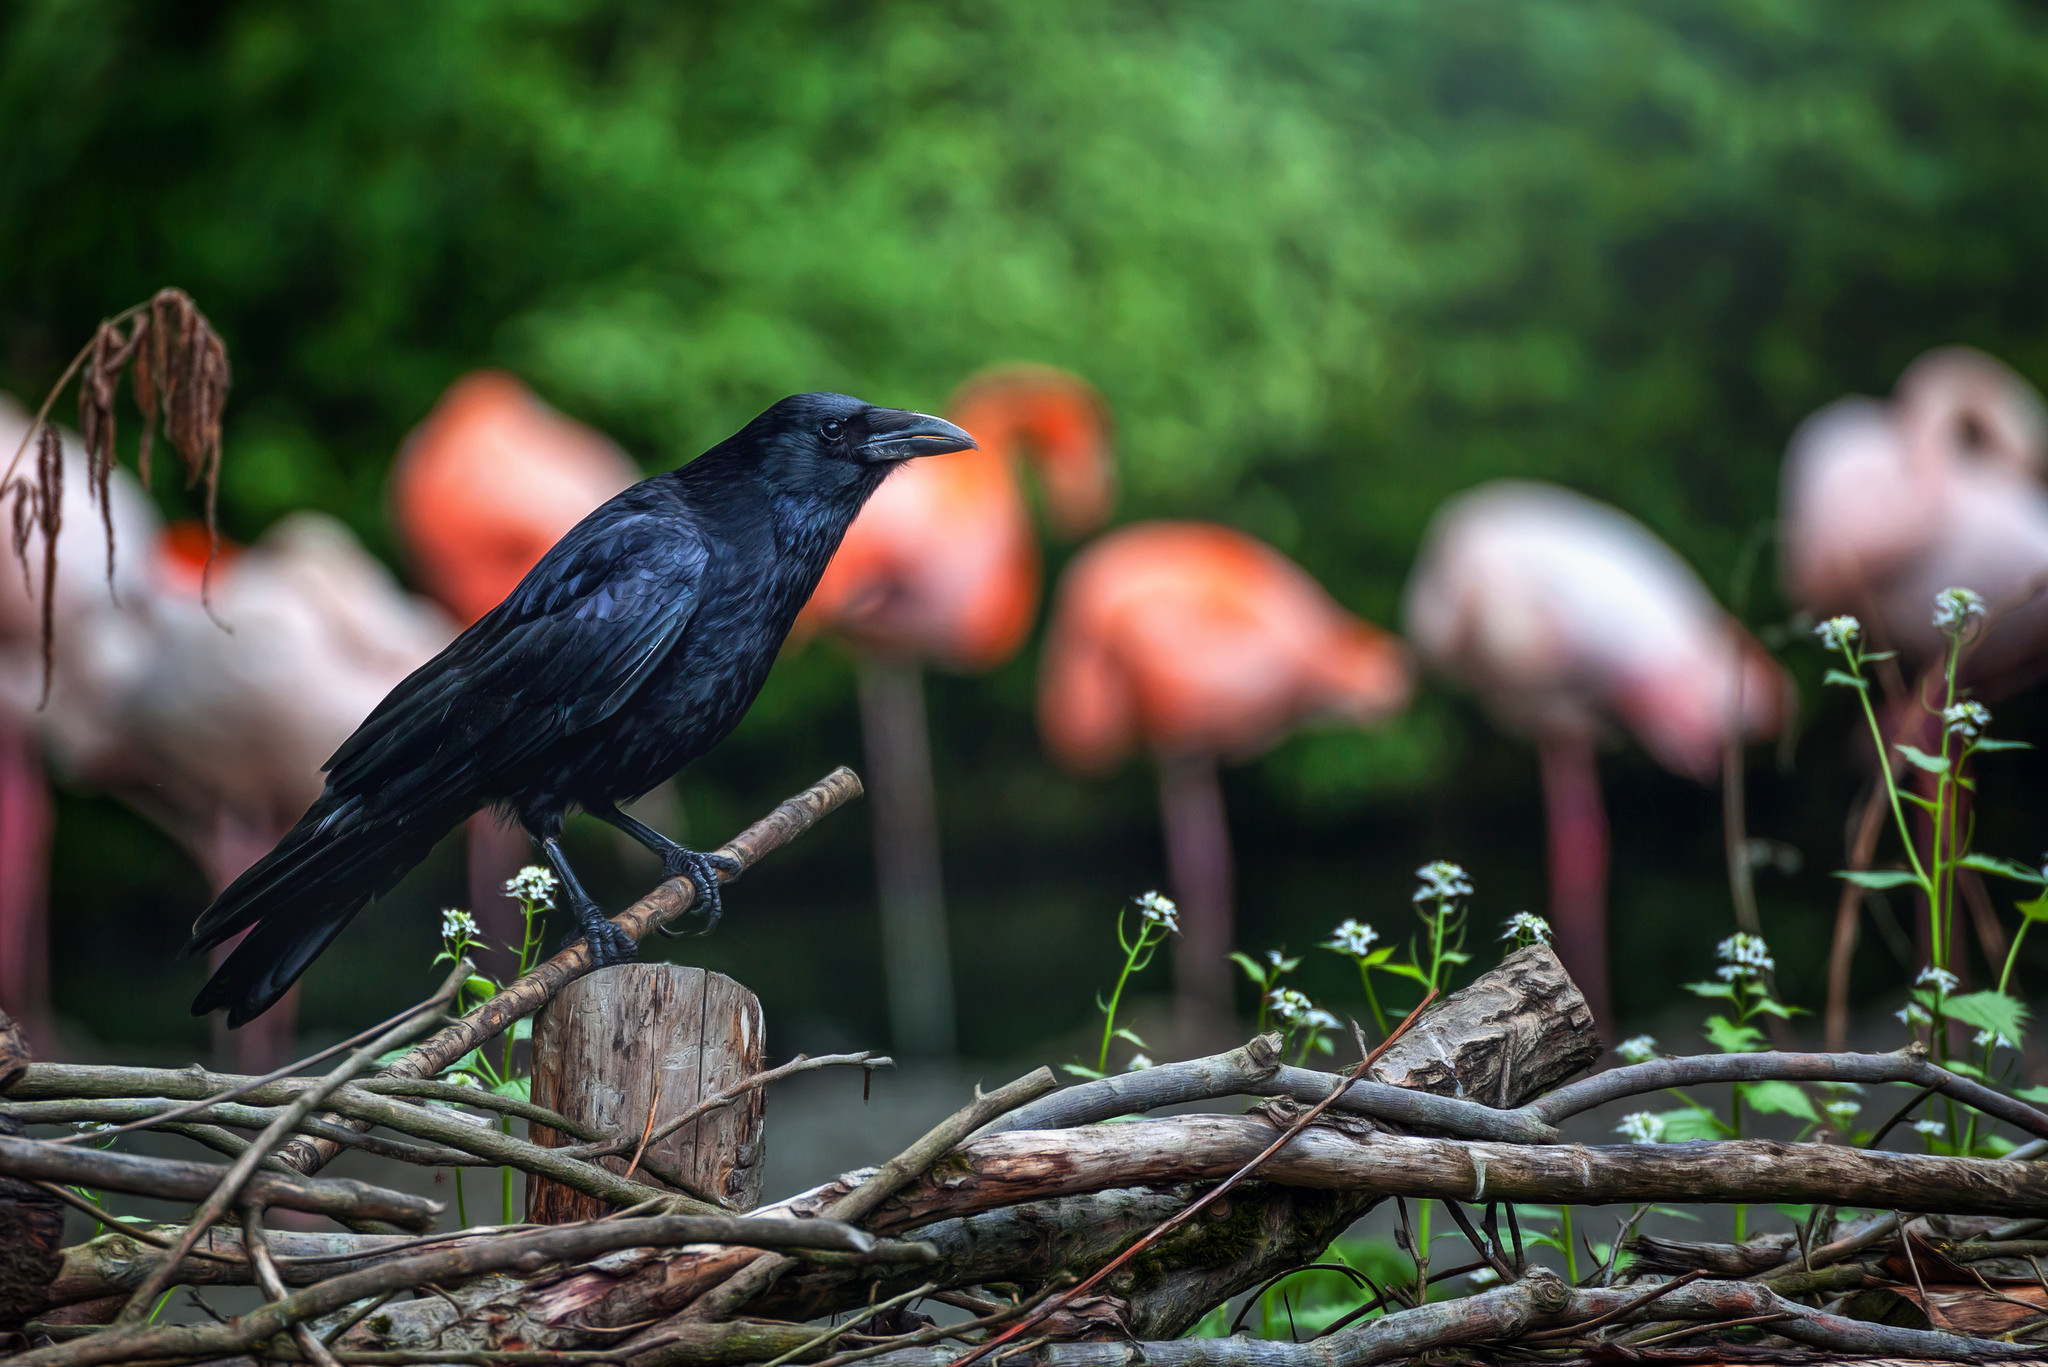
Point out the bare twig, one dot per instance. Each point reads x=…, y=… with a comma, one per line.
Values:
x=839, y=1331
x=229, y=1192
x=273, y=1285
x=802, y=1063
x=1207, y=1198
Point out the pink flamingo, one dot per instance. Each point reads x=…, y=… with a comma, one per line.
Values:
x=1200, y=643
x=482, y=488
x=90, y=600
x=1566, y=616
x=1885, y=504
x=942, y=567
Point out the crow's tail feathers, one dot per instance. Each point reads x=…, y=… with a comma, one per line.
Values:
x=299, y=897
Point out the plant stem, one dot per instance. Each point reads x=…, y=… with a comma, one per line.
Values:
x=1109, y=1015
x=1372, y=999
x=1571, y=1254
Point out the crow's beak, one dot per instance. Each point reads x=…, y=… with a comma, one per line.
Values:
x=901, y=435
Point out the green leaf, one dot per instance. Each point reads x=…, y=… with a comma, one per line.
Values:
x=1874, y=656
x=1989, y=744
x=1725, y=991
x=1731, y=1038
x=1378, y=956
x=1920, y=759
x=520, y=1088
x=476, y=982
x=1993, y=1011
x=1779, y=1098
x=1078, y=1071
x=1253, y=969
x=1407, y=971
x=1771, y=1006
x=522, y=1029
x=2003, y=868
x=2034, y=908
x=1836, y=676
x=1322, y=1045
x=1878, y=878
x=2032, y=1094
x=1689, y=1122
x=1124, y=1032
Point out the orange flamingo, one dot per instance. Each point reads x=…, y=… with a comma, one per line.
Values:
x=1565, y=615
x=482, y=488
x=1201, y=643
x=1884, y=505
x=942, y=567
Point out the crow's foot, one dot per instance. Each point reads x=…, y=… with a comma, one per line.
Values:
x=702, y=870
x=609, y=943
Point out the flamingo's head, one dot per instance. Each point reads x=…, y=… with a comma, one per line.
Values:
x=1959, y=405
x=1059, y=423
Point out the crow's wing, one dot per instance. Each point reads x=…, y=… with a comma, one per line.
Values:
x=563, y=652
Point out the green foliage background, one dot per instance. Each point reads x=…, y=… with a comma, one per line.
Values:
x=1330, y=261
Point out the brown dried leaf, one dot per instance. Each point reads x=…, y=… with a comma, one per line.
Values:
x=1973, y=1310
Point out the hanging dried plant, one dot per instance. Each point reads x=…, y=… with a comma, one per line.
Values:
x=178, y=370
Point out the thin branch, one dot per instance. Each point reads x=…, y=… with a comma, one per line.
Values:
x=802, y=1063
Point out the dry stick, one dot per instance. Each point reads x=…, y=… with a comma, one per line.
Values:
x=229, y=1192
x=1485, y=1248
x=526, y=1253
x=838, y=1331
x=1655, y=1293
x=669, y=901
x=243, y=1086
x=1196, y=1207
x=141, y=1113
x=939, y=1332
x=802, y=1063
x=272, y=1284
x=756, y=1277
x=172, y=1179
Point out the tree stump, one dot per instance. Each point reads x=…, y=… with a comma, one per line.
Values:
x=652, y=1039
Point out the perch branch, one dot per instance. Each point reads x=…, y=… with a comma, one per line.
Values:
x=669, y=901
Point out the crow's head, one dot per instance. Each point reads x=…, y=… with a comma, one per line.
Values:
x=832, y=444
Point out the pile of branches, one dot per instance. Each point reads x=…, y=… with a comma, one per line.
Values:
x=1052, y=1238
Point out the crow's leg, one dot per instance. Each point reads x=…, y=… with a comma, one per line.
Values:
x=678, y=861
x=608, y=943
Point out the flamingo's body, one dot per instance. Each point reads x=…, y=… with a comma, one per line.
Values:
x=1887, y=503
x=1196, y=642
x=90, y=639
x=1567, y=618
x=942, y=567
x=482, y=488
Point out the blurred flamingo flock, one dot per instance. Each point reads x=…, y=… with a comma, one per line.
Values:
x=204, y=689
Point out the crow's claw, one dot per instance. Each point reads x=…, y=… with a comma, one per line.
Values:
x=702, y=870
x=609, y=943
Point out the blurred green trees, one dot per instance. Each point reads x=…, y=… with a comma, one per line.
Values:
x=1329, y=261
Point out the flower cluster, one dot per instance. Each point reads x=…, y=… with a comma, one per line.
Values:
x=1913, y=1013
x=1931, y=1127
x=1957, y=610
x=1985, y=1039
x=533, y=884
x=1353, y=939
x=1940, y=979
x=1158, y=910
x=1295, y=1009
x=1966, y=719
x=1744, y=958
x=457, y=925
x=1138, y=1064
x=1641, y=1127
x=1442, y=881
x=1637, y=1049
x=1527, y=928
x=1842, y=1113
x=1838, y=633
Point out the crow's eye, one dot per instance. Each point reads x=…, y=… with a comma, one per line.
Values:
x=832, y=429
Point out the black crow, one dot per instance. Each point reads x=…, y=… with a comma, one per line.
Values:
x=634, y=646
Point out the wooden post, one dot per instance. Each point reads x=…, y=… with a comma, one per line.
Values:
x=625, y=1041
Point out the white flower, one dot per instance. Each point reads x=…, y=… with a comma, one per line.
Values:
x=1985, y=1038
x=1641, y=1127
x=1837, y=632
x=1942, y=981
x=1933, y=1127
x=1967, y=719
x=1957, y=609
x=1526, y=926
x=1744, y=957
x=1484, y=1276
x=1843, y=1113
x=1352, y=938
x=1138, y=1064
x=1159, y=911
x=1913, y=1013
x=1291, y=1006
x=457, y=925
x=1320, y=1019
x=93, y=1126
x=1639, y=1049
x=533, y=884
x=1442, y=881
